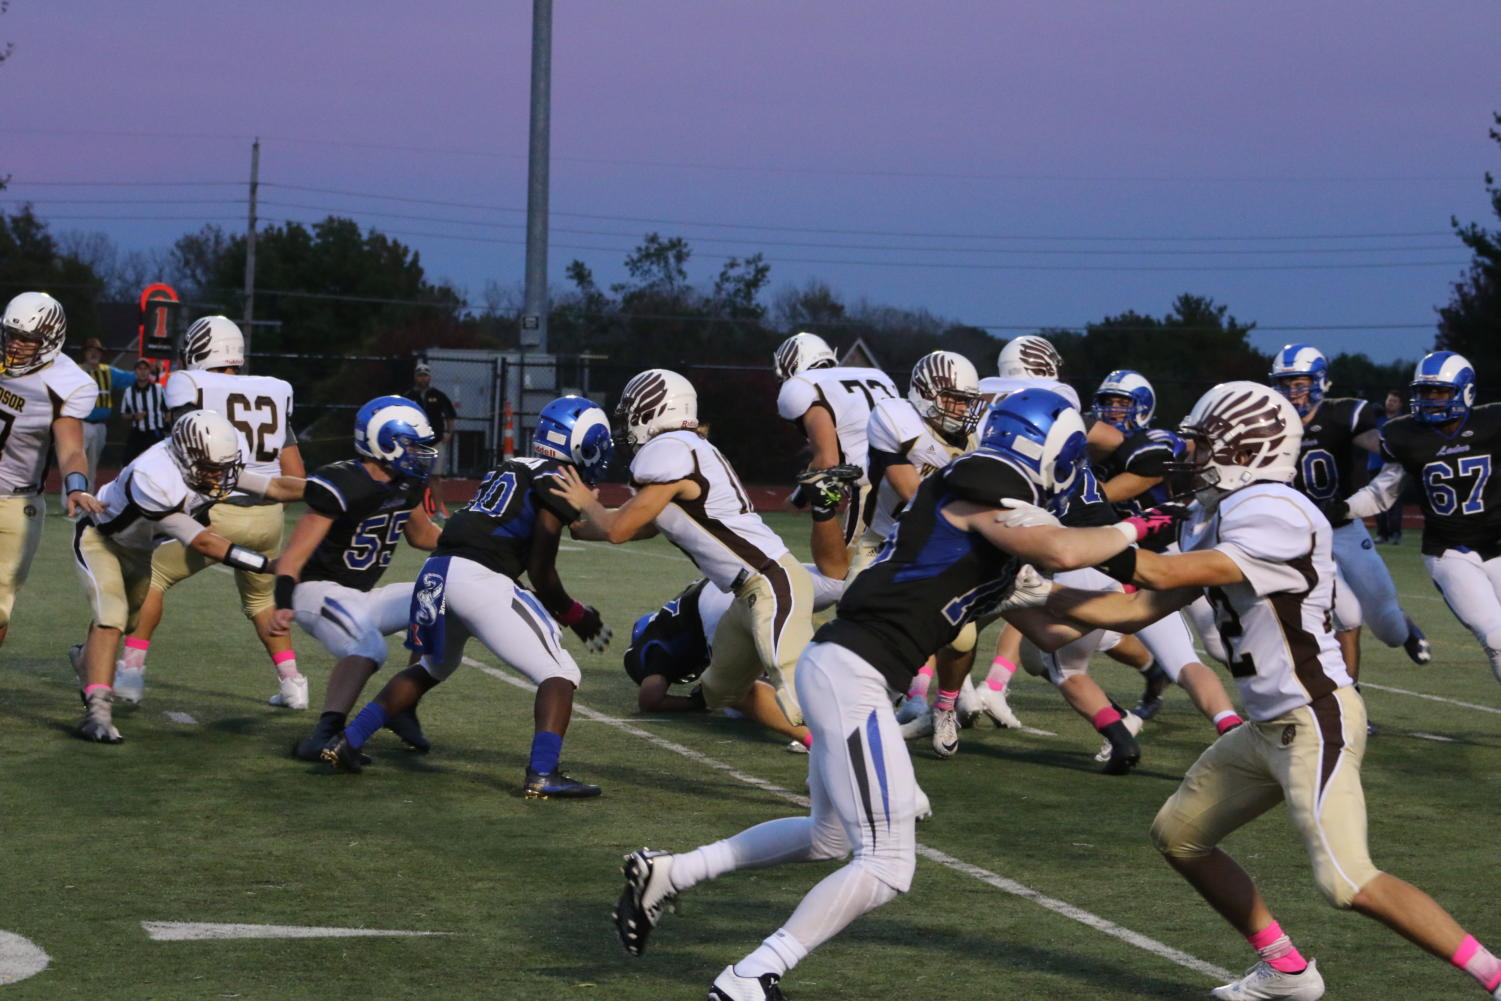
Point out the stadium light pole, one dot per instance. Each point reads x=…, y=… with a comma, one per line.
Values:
x=534, y=309
x=255, y=183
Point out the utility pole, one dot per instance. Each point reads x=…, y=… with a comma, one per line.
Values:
x=534, y=309
x=255, y=181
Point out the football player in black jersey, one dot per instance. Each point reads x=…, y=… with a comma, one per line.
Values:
x=469, y=587
x=951, y=560
x=1334, y=432
x=1133, y=480
x=328, y=579
x=1448, y=445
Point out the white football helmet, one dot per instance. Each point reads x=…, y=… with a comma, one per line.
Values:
x=655, y=401
x=206, y=449
x=213, y=342
x=31, y=333
x=1240, y=433
x=1029, y=356
x=801, y=352
x=945, y=389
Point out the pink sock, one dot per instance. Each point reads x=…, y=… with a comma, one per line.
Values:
x=1476, y=960
x=1277, y=949
x=135, y=652
x=920, y=682
x=286, y=663
x=1000, y=674
x=808, y=740
x=1105, y=717
x=945, y=699
x=91, y=689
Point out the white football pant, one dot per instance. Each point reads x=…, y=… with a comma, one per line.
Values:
x=1472, y=589
x=1371, y=596
x=349, y=622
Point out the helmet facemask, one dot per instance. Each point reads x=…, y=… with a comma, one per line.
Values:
x=32, y=332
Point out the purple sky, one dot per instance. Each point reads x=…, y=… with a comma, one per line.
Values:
x=1085, y=138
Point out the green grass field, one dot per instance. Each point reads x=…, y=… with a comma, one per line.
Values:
x=211, y=822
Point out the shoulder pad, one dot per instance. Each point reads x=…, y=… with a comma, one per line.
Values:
x=986, y=479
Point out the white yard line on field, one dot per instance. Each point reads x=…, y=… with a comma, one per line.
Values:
x=985, y=876
x=20, y=958
x=1430, y=698
x=200, y=931
x=1433, y=736
x=632, y=551
x=184, y=718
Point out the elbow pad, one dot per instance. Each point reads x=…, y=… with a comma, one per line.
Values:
x=245, y=559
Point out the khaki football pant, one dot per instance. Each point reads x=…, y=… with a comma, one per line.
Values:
x=765, y=630
x=259, y=528
x=20, y=533
x=1309, y=758
x=115, y=578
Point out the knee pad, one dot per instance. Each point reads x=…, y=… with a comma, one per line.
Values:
x=965, y=641
x=569, y=671
x=1033, y=661
x=372, y=646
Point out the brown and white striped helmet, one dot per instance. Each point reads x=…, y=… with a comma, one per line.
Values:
x=206, y=449
x=654, y=401
x=1029, y=356
x=945, y=389
x=801, y=352
x=1242, y=433
x=213, y=342
x=32, y=331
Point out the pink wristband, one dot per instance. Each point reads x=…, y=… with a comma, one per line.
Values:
x=574, y=615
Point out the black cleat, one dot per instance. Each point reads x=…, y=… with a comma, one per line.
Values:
x=328, y=727
x=404, y=724
x=344, y=758
x=1151, y=696
x=556, y=785
x=648, y=892
x=730, y=986
x=1124, y=751
x=1417, y=646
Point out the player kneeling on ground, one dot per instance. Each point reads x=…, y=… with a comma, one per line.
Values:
x=1264, y=551
x=468, y=587
x=329, y=577
x=951, y=560
x=162, y=494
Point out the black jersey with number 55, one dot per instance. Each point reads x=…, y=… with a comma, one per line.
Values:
x=1461, y=500
x=369, y=516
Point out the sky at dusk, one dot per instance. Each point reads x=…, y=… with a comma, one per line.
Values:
x=1003, y=164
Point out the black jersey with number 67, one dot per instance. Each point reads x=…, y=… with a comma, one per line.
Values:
x=369, y=516
x=1329, y=453
x=1461, y=500
x=930, y=578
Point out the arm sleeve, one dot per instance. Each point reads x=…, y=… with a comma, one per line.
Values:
x=662, y=461
x=1363, y=418
x=1379, y=494
x=181, y=527
x=181, y=392
x=549, y=495
x=254, y=483
x=324, y=496
x=794, y=399
x=1266, y=537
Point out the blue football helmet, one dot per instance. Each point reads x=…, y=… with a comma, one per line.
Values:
x=1442, y=370
x=575, y=430
x=1295, y=360
x=1040, y=433
x=395, y=431
x=1131, y=385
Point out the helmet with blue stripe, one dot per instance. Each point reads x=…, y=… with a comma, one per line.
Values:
x=575, y=430
x=395, y=431
x=1299, y=360
x=1443, y=388
x=1125, y=384
x=1041, y=434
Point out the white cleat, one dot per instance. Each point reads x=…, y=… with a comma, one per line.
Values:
x=993, y=703
x=968, y=704
x=1133, y=725
x=797, y=747
x=1262, y=983
x=730, y=986
x=97, y=724
x=648, y=892
x=924, y=809
x=920, y=726
x=293, y=694
x=945, y=732
x=911, y=707
x=130, y=683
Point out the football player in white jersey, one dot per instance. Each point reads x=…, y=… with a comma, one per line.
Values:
x=44, y=397
x=831, y=405
x=260, y=409
x=686, y=489
x=1264, y=552
x=160, y=494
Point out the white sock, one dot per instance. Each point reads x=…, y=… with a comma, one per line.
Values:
x=787, y=840
x=778, y=954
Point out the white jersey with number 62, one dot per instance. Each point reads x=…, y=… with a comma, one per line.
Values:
x=259, y=406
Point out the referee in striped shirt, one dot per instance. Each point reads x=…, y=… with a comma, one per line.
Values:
x=145, y=406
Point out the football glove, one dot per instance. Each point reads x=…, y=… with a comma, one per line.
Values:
x=592, y=630
x=824, y=488
x=1162, y=518
x=1020, y=514
x=1337, y=510
x=1029, y=590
